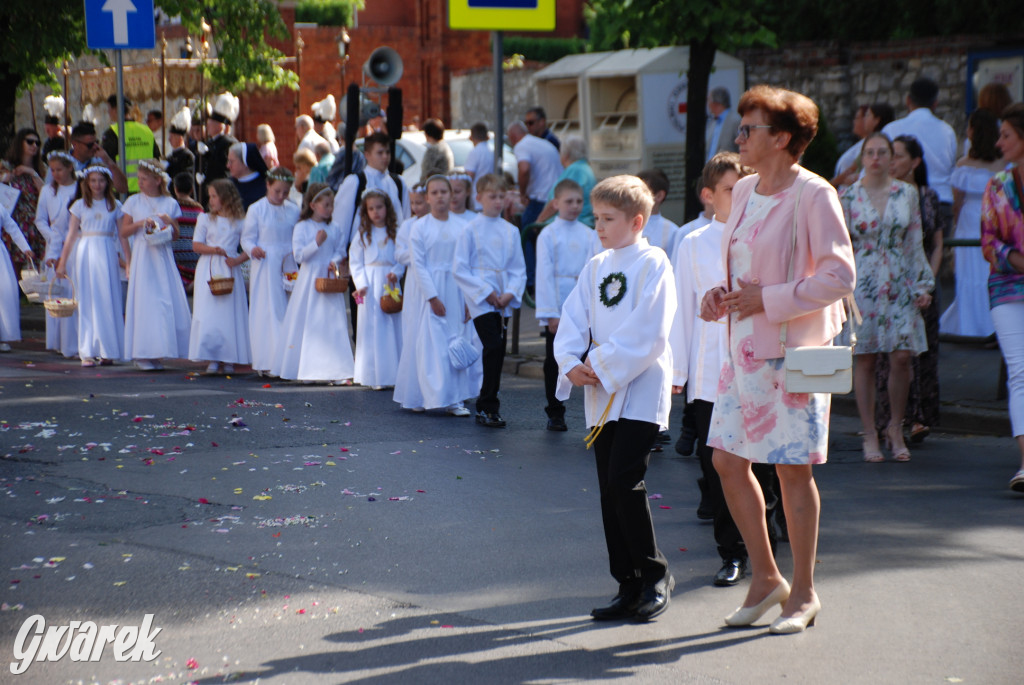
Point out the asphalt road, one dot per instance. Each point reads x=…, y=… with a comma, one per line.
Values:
x=305, y=534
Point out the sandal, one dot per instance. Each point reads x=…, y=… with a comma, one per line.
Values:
x=898, y=453
x=918, y=432
x=872, y=456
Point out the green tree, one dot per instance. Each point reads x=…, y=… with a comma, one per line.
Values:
x=43, y=33
x=705, y=26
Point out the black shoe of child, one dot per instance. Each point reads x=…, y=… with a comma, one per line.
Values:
x=686, y=442
x=664, y=438
x=491, y=420
x=557, y=423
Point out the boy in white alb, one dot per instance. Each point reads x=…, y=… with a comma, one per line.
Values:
x=613, y=338
x=698, y=348
x=491, y=273
x=688, y=436
x=659, y=231
x=563, y=248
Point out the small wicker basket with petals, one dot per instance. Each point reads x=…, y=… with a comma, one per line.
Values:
x=60, y=307
x=331, y=284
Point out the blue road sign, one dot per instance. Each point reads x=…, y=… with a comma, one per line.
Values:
x=119, y=24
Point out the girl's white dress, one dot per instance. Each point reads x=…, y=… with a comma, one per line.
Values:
x=220, y=323
x=379, y=336
x=268, y=227
x=10, y=304
x=97, y=280
x=157, y=319
x=316, y=345
x=52, y=222
x=426, y=376
x=969, y=312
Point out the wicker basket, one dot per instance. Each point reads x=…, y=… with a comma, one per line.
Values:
x=391, y=300
x=60, y=307
x=159, y=235
x=220, y=285
x=289, y=272
x=33, y=282
x=331, y=284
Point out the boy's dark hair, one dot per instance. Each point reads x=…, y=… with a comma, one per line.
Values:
x=567, y=184
x=376, y=138
x=718, y=165
x=655, y=179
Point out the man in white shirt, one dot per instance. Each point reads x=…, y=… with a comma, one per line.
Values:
x=539, y=166
x=937, y=138
x=305, y=135
x=481, y=158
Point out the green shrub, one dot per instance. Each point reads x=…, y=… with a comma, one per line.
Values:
x=327, y=12
x=542, y=49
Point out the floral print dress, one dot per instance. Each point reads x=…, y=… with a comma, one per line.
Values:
x=754, y=417
x=892, y=270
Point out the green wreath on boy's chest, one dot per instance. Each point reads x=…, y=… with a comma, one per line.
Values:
x=612, y=289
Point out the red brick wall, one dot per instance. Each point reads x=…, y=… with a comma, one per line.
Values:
x=430, y=53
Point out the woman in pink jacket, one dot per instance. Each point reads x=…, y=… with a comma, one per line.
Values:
x=755, y=419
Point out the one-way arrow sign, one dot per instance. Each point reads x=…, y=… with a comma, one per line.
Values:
x=120, y=24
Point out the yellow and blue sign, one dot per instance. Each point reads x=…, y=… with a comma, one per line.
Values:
x=502, y=15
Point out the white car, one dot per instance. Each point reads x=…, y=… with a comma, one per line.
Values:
x=410, y=147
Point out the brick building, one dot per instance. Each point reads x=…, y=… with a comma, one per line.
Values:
x=416, y=29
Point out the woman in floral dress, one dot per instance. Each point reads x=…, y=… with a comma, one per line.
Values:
x=894, y=283
x=788, y=262
x=22, y=169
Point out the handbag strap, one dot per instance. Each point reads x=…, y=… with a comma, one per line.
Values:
x=850, y=301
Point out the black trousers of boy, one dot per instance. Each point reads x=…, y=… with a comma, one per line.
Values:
x=622, y=452
x=555, y=408
x=493, y=332
x=727, y=535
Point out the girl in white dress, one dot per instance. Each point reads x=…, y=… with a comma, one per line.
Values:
x=91, y=253
x=10, y=303
x=52, y=223
x=462, y=186
x=427, y=378
x=316, y=346
x=267, y=239
x=157, y=319
x=220, y=323
x=374, y=266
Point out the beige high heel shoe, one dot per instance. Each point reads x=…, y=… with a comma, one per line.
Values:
x=745, y=616
x=796, y=624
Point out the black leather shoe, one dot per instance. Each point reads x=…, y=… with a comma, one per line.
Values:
x=655, y=598
x=686, y=443
x=557, y=423
x=705, y=512
x=732, y=572
x=664, y=438
x=623, y=605
x=491, y=420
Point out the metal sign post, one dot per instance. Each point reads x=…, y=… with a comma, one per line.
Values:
x=120, y=25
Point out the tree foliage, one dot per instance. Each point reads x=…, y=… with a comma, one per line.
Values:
x=705, y=26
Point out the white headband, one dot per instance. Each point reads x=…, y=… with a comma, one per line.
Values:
x=322, y=191
x=154, y=169
x=96, y=169
x=60, y=154
x=372, y=191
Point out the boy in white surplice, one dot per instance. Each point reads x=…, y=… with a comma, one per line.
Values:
x=613, y=339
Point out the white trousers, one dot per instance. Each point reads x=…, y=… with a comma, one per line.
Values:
x=1009, y=322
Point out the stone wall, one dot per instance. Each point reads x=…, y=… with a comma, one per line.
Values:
x=839, y=77
x=473, y=96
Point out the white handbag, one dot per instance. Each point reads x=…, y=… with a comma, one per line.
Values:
x=818, y=368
